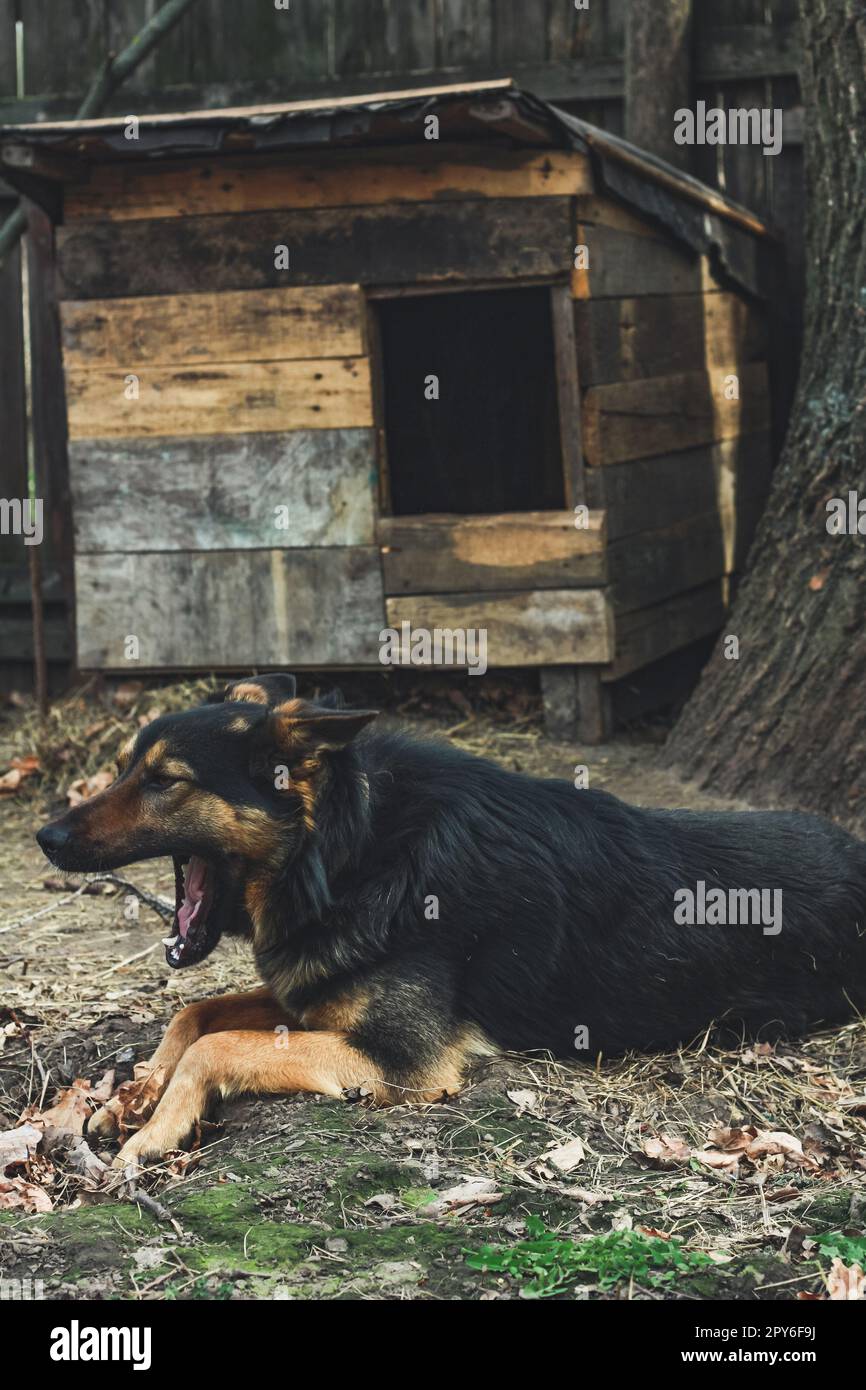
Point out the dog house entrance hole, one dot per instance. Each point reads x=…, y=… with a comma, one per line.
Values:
x=490, y=441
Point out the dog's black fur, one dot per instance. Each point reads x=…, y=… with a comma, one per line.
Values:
x=555, y=905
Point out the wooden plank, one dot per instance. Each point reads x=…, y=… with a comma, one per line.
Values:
x=568, y=395
x=622, y=265
x=120, y=192
x=233, y=398
x=648, y=494
x=225, y=493
x=657, y=335
x=56, y=54
x=464, y=32
x=647, y=634
x=658, y=415
x=8, y=83
x=594, y=209
x=258, y=41
x=551, y=627
x=496, y=239
x=515, y=40
x=237, y=326
x=727, y=53
x=517, y=550
x=594, y=722
x=16, y=637
x=379, y=36
x=747, y=171
x=13, y=419
x=51, y=464
x=231, y=609
x=654, y=565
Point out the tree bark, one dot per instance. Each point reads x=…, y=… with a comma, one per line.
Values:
x=658, y=75
x=786, y=722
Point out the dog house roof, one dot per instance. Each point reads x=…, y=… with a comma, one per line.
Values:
x=495, y=111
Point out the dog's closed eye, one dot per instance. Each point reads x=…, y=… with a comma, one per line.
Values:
x=160, y=781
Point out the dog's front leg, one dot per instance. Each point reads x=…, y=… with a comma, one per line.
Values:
x=253, y=1009
x=233, y=1062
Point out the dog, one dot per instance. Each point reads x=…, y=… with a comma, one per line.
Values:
x=412, y=908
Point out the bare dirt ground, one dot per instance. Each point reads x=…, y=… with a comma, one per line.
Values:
x=752, y=1161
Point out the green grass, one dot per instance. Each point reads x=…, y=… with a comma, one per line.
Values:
x=850, y=1249
x=547, y=1264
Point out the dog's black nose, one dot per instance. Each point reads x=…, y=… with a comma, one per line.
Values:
x=53, y=839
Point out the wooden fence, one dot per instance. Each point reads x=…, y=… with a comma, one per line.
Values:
x=231, y=52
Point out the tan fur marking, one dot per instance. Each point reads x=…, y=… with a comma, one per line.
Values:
x=155, y=755
x=124, y=757
x=244, y=830
x=239, y=725
x=254, y=1008
x=246, y=690
x=230, y=1063
x=338, y=1014
x=176, y=767
x=290, y=708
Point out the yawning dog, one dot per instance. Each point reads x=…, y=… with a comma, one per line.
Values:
x=411, y=908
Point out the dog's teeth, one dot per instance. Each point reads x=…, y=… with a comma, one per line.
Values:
x=171, y=940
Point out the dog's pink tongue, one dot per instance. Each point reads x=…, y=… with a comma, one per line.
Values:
x=195, y=876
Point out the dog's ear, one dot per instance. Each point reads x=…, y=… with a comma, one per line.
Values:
x=304, y=731
x=263, y=690
x=332, y=699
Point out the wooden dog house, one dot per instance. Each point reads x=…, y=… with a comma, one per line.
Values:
x=333, y=366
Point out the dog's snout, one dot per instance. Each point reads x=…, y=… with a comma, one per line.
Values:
x=53, y=840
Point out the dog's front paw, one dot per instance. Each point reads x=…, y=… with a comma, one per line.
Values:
x=163, y=1135
x=132, y=1103
x=105, y=1122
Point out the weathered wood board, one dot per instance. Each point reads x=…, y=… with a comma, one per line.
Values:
x=232, y=398
x=191, y=188
x=518, y=550
x=657, y=335
x=493, y=239
x=598, y=210
x=647, y=494
x=230, y=609
x=654, y=565
x=659, y=415
x=551, y=627
x=238, y=492
x=16, y=637
x=647, y=634
x=621, y=265
x=237, y=326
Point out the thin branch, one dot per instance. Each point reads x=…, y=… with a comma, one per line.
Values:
x=111, y=75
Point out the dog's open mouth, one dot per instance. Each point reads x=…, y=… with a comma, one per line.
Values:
x=196, y=929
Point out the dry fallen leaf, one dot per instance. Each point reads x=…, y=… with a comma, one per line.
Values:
x=70, y=1111
x=18, y=1193
x=19, y=770
x=133, y=1103
x=526, y=1101
x=846, y=1282
x=753, y=1144
x=78, y=1156
x=667, y=1149
x=385, y=1201
x=18, y=1145
x=85, y=787
x=473, y=1192
x=567, y=1156
x=127, y=693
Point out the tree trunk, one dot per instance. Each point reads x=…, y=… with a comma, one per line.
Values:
x=786, y=722
x=658, y=75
